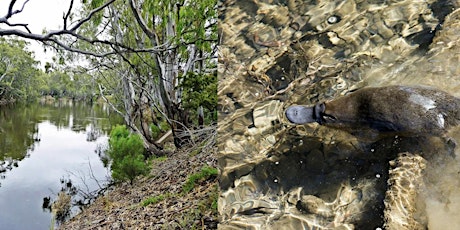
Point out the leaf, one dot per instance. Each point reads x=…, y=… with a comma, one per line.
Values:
x=96, y=3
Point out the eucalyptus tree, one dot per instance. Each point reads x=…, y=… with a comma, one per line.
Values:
x=18, y=71
x=183, y=37
x=142, y=51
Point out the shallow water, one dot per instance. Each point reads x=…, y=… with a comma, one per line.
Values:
x=40, y=145
x=278, y=53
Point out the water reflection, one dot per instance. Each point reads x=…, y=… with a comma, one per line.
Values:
x=19, y=132
x=39, y=145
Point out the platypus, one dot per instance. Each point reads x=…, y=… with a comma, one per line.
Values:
x=391, y=109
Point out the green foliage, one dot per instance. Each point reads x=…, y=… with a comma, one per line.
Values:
x=174, y=30
x=71, y=83
x=193, y=24
x=214, y=202
x=153, y=200
x=205, y=173
x=160, y=159
x=155, y=130
x=127, y=153
x=161, y=127
x=19, y=74
x=119, y=131
x=200, y=90
x=213, y=196
x=164, y=125
x=96, y=3
x=91, y=5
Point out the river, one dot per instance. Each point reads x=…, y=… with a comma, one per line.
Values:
x=44, y=146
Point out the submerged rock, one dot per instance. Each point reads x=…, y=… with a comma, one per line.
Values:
x=401, y=197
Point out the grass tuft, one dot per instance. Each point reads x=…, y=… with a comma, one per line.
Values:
x=153, y=200
x=205, y=173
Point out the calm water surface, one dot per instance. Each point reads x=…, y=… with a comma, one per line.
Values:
x=39, y=146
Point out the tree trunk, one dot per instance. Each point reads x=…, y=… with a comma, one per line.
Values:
x=133, y=102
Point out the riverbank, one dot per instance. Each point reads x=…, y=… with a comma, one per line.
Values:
x=166, y=199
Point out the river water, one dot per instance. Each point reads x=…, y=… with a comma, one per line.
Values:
x=42, y=145
x=275, y=175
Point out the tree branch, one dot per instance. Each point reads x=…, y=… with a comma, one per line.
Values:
x=10, y=13
x=53, y=36
x=66, y=16
x=140, y=21
x=4, y=75
x=10, y=9
x=90, y=15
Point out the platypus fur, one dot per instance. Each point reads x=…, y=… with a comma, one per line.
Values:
x=391, y=109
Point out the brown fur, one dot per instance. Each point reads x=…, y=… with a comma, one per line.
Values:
x=392, y=109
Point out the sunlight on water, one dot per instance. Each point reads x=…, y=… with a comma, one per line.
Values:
x=278, y=176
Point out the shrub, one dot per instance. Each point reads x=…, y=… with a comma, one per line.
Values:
x=155, y=130
x=126, y=151
x=61, y=207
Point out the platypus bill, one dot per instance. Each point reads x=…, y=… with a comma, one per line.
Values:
x=401, y=109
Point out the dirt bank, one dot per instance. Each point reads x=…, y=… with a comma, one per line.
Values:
x=157, y=201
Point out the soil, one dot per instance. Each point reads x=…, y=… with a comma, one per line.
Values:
x=123, y=206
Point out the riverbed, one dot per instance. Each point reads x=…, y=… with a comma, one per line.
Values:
x=42, y=148
x=273, y=54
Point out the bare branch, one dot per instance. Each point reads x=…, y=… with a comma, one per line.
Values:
x=53, y=36
x=90, y=15
x=93, y=176
x=10, y=9
x=4, y=75
x=10, y=13
x=79, y=51
x=140, y=21
x=66, y=16
x=101, y=91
